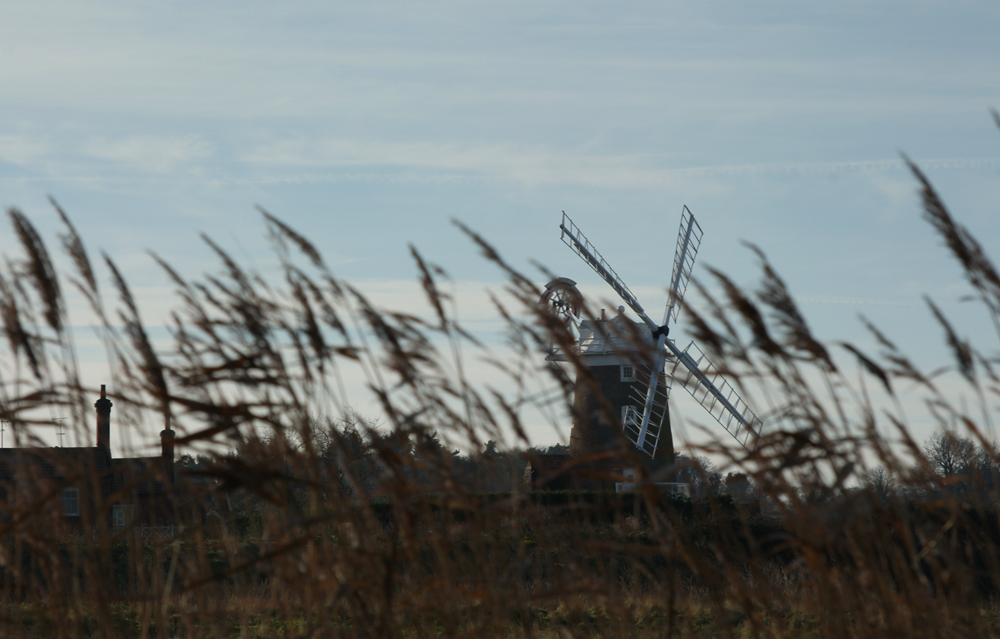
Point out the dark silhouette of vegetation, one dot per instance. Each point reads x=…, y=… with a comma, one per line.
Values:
x=297, y=517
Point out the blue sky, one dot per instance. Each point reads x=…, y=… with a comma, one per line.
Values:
x=369, y=127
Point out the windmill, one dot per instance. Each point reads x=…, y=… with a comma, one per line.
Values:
x=605, y=349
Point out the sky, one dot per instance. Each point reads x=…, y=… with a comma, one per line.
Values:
x=371, y=126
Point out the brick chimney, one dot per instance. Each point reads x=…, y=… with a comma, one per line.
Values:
x=167, y=449
x=167, y=443
x=103, y=406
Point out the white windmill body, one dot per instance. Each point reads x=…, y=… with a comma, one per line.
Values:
x=628, y=361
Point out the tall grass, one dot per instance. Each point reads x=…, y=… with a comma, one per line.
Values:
x=304, y=519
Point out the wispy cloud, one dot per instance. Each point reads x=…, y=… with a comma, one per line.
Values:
x=535, y=165
x=854, y=301
x=22, y=150
x=158, y=154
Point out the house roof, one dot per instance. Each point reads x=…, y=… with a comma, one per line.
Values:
x=144, y=475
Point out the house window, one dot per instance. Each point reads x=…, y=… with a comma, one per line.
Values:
x=70, y=500
x=121, y=515
x=628, y=373
x=631, y=416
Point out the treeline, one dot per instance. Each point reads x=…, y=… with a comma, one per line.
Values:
x=353, y=455
x=357, y=457
x=951, y=466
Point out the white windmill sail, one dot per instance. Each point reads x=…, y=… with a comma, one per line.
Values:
x=574, y=238
x=648, y=439
x=688, y=242
x=712, y=391
x=654, y=412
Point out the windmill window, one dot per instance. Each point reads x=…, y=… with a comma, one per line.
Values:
x=631, y=416
x=70, y=500
x=628, y=373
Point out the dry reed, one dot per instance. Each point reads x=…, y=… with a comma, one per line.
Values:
x=316, y=522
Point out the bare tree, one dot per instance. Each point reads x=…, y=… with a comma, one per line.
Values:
x=881, y=484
